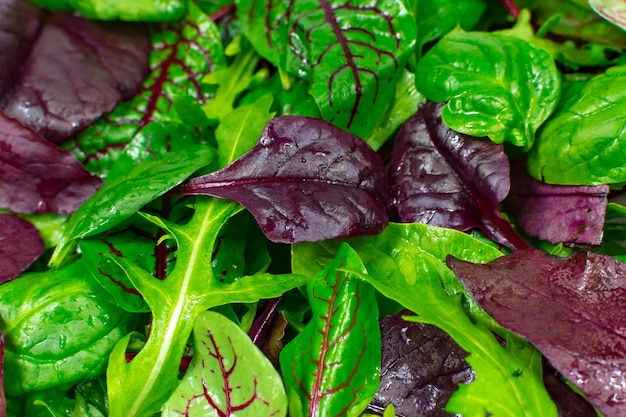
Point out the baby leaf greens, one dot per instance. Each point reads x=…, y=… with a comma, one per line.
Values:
x=21, y=246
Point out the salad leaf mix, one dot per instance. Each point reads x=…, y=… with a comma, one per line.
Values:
x=313, y=208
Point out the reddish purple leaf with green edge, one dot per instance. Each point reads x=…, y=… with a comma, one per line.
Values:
x=77, y=71
x=444, y=178
x=228, y=376
x=332, y=367
x=305, y=180
x=183, y=53
x=20, y=22
x=20, y=246
x=572, y=309
x=612, y=10
x=421, y=367
x=36, y=176
x=557, y=213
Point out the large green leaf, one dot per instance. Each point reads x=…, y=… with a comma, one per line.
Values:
x=406, y=263
x=137, y=10
x=58, y=327
x=228, y=376
x=332, y=367
x=496, y=85
x=352, y=59
x=584, y=142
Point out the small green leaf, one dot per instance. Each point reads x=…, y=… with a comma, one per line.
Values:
x=121, y=198
x=228, y=375
x=584, y=142
x=496, y=85
x=332, y=367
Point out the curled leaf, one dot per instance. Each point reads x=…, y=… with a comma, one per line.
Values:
x=571, y=309
x=20, y=246
x=304, y=180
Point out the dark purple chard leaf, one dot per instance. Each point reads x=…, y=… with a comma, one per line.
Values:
x=557, y=213
x=352, y=51
x=20, y=246
x=19, y=24
x=77, y=71
x=38, y=177
x=421, y=367
x=572, y=310
x=182, y=53
x=305, y=180
x=445, y=178
x=331, y=368
x=228, y=375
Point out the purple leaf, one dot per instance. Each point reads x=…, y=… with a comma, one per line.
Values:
x=20, y=246
x=305, y=180
x=19, y=26
x=573, y=310
x=77, y=70
x=444, y=178
x=557, y=213
x=421, y=368
x=36, y=176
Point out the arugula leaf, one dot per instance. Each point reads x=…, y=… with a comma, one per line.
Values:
x=228, y=375
x=496, y=85
x=352, y=59
x=582, y=143
x=332, y=367
x=58, y=329
x=138, y=10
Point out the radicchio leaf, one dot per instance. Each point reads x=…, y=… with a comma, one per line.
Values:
x=182, y=53
x=77, y=70
x=36, y=176
x=228, y=375
x=20, y=246
x=421, y=368
x=331, y=368
x=572, y=310
x=557, y=213
x=305, y=180
x=448, y=179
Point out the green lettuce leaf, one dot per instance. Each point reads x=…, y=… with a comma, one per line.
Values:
x=496, y=85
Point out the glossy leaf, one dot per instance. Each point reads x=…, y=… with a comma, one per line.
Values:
x=421, y=368
x=406, y=263
x=123, y=197
x=332, y=367
x=613, y=242
x=20, y=246
x=182, y=53
x=228, y=375
x=138, y=10
x=3, y=400
x=557, y=213
x=38, y=177
x=77, y=71
x=58, y=329
x=304, y=180
x=496, y=85
x=176, y=302
x=611, y=10
x=582, y=143
x=570, y=309
x=448, y=179
x=352, y=59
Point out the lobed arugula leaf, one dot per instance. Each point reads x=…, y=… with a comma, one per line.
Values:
x=352, y=59
x=582, y=143
x=495, y=85
x=228, y=375
x=182, y=53
x=332, y=367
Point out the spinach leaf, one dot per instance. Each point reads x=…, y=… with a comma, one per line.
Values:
x=138, y=10
x=58, y=329
x=352, y=59
x=332, y=367
x=496, y=85
x=228, y=375
x=583, y=142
